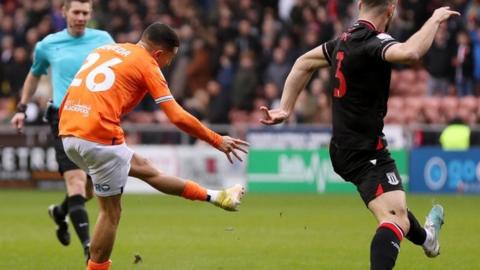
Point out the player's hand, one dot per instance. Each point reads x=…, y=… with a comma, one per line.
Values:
x=444, y=13
x=232, y=146
x=18, y=121
x=272, y=117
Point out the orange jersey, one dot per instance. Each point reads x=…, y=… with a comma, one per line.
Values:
x=111, y=82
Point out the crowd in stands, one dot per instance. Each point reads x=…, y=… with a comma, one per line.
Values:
x=235, y=55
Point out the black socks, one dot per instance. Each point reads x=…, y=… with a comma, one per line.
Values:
x=79, y=217
x=417, y=233
x=385, y=246
x=63, y=207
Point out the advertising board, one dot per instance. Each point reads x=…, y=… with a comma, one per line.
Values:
x=435, y=170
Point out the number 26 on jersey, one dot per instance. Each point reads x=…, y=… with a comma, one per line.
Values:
x=100, y=78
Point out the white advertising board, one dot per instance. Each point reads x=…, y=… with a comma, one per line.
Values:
x=202, y=164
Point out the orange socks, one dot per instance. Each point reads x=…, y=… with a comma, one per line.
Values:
x=194, y=191
x=99, y=266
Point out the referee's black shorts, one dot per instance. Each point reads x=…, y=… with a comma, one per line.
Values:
x=64, y=163
x=373, y=171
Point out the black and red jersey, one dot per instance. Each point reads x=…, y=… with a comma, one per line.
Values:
x=361, y=85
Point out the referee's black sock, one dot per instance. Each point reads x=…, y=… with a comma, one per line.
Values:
x=417, y=233
x=63, y=207
x=385, y=247
x=79, y=217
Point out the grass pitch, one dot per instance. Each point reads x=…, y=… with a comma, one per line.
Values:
x=270, y=232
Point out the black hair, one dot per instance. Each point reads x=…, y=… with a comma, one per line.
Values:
x=161, y=34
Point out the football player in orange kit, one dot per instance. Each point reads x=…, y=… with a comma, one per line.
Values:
x=111, y=82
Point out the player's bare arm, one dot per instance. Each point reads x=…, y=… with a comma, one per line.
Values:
x=29, y=87
x=417, y=45
x=188, y=123
x=296, y=81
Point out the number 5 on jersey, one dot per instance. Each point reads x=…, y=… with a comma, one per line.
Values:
x=341, y=90
x=101, y=78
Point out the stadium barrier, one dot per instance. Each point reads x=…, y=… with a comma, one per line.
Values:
x=202, y=163
x=302, y=170
x=433, y=170
x=296, y=159
x=29, y=167
x=282, y=159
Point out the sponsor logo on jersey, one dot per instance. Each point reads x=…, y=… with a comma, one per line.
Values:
x=70, y=105
x=392, y=178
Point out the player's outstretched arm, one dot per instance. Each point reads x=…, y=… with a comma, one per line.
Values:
x=296, y=81
x=29, y=87
x=418, y=44
x=191, y=125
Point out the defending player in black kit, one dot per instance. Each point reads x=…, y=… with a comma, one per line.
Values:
x=360, y=64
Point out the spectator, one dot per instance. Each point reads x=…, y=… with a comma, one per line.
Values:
x=197, y=105
x=463, y=63
x=32, y=37
x=16, y=71
x=227, y=67
x=219, y=103
x=325, y=31
x=437, y=62
x=228, y=29
x=179, y=74
x=6, y=27
x=245, y=82
x=7, y=49
x=247, y=39
x=278, y=69
x=473, y=11
x=474, y=30
x=272, y=95
x=456, y=136
x=323, y=114
x=305, y=110
x=292, y=52
x=198, y=71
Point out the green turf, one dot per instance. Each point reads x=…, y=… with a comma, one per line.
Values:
x=270, y=232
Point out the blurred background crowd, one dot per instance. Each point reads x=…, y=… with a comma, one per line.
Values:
x=235, y=55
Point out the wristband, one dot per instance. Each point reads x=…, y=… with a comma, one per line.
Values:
x=21, y=107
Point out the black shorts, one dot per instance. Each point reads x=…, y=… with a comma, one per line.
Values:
x=64, y=163
x=373, y=171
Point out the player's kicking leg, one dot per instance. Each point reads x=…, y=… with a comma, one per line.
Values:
x=427, y=236
x=228, y=199
x=110, y=208
x=433, y=224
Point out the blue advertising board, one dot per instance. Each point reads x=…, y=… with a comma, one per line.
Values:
x=435, y=170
